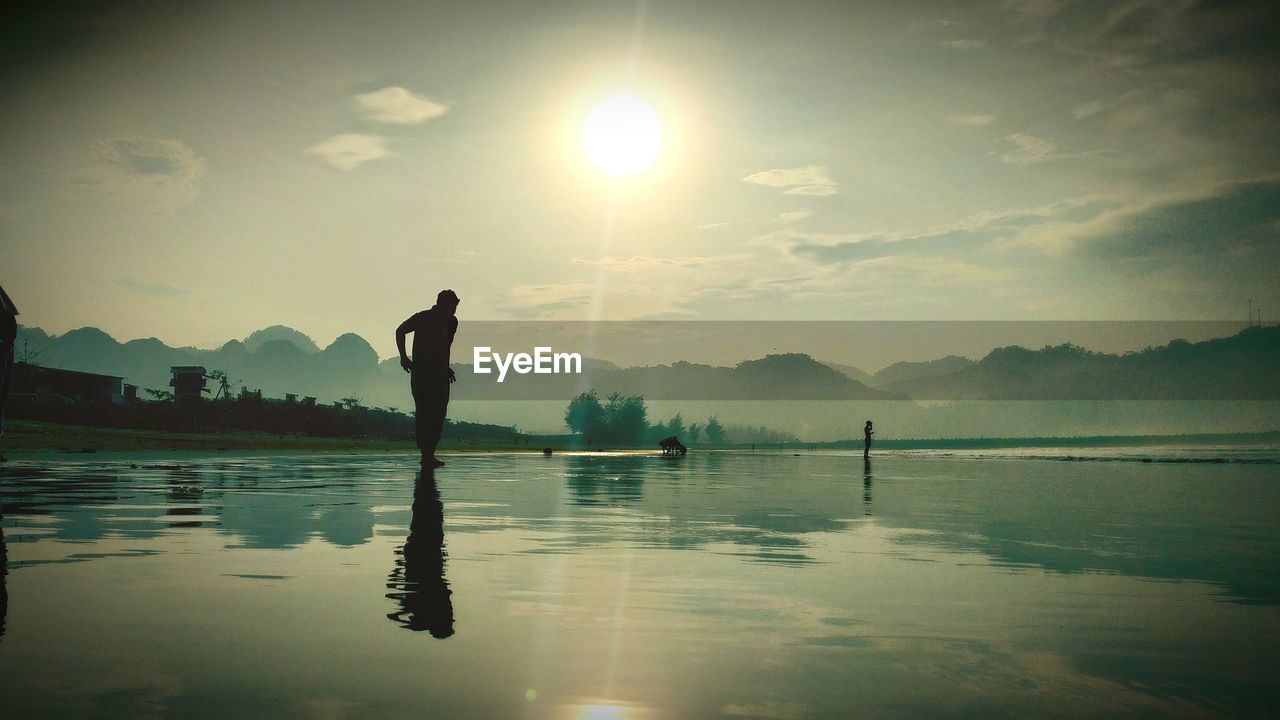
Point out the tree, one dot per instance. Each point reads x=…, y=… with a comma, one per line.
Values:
x=585, y=414
x=675, y=426
x=626, y=418
x=695, y=431
x=160, y=395
x=715, y=431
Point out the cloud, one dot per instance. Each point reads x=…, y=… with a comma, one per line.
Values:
x=962, y=237
x=963, y=44
x=971, y=120
x=766, y=710
x=636, y=263
x=162, y=174
x=398, y=106
x=152, y=289
x=708, y=226
x=793, y=216
x=813, y=190
x=807, y=180
x=1030, y=150
x=1240, y=218
x=350, y=150
x=547, y=300
x=1035, y=8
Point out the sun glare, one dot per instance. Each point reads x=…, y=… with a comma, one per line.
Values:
x=622, y=135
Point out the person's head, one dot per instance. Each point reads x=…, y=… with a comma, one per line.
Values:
x=448, y=300
x=868, y=423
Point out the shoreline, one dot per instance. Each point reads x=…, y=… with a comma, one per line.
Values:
x=24, y=439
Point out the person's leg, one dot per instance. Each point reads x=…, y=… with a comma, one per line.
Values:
x=421, y=405
x=433, y=416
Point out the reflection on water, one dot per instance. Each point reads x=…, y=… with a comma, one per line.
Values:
x=714, y=585
x=866, y=484
x=4, y=571
x=418, y=580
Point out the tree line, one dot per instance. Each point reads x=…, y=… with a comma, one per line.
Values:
x=623, y=420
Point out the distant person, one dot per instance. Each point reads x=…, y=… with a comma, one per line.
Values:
x=418, y=582
x=429, y=372
x=8, y=337
x=672, y=446
x=867, y=432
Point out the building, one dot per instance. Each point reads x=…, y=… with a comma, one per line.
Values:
x=188, y=382
x=81, y=388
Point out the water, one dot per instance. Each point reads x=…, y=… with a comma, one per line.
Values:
x=718, y=585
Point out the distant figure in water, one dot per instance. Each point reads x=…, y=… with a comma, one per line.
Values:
x=418, y=583
x=672, y=446
x=429, y=372
x=8, y=337
x=867, y=432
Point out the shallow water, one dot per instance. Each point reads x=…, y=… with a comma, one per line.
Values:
x=633, y=587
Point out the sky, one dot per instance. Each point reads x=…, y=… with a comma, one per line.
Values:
x=197, y=171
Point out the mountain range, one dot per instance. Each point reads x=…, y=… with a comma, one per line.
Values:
x=281, y=360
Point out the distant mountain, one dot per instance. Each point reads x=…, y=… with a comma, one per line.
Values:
x=903, y=372
x=1245, y=366
x=280, y=360
x=277, y=360
x=791, y=376
x=258, y=338
x=852, y=372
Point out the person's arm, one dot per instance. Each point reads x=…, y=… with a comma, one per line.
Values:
x=453, y=330
x=401, y=331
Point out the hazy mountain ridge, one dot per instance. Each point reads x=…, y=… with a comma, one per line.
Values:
x=284, y=360
x=1242, y=367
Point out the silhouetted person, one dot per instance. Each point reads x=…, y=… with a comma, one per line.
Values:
x=8, y=337
x=867, y=432
x=418, y=580
x=429, y=372
x=672, y=446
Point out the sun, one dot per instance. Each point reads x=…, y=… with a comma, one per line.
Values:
x=622, y=135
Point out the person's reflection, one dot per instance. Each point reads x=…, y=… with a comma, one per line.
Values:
x=4, y=570
x=866, y=485
x=418, y=582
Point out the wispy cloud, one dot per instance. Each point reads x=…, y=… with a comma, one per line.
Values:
x=961, y=237
x=766, y=710
x=152, y=289
x=709, y=226
x=813, y=190
x=806, y=180
x=971, y=120
x=163, y=174
x=547, y=300
x=1035, y=8
x=349, y=151
x=398, y=106
x=963, y=44
x=793, y=216
x=636, y=263
x=1030, y=149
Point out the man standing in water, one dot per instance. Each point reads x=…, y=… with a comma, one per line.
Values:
x=867, y=432
x=429, y=372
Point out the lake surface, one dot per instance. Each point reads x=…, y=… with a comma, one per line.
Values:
x=718, y=585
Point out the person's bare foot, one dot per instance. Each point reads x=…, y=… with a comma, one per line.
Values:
x=431, y=461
